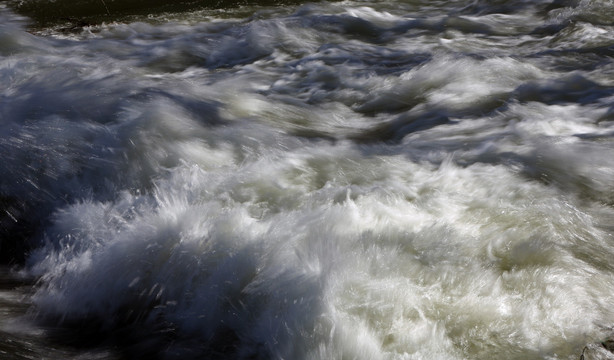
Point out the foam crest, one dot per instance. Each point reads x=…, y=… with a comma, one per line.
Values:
x=444, y=83
x=184, y=260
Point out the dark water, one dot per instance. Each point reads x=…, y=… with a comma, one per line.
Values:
x=292, y=180
x=23, y=339
x=47, y=13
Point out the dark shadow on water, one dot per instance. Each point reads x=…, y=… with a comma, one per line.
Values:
x=46, y=12
x=139, y=341
x=394, y=131
x=572, y=88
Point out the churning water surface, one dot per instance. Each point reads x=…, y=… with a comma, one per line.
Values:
x=345, y=180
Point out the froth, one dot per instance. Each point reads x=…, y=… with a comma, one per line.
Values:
x=378, y=256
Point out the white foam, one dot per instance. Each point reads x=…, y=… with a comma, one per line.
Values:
x=404, y=246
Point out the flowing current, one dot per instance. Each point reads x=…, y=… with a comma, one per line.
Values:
x=348, y=180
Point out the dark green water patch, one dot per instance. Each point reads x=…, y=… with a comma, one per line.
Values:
x=89, y=12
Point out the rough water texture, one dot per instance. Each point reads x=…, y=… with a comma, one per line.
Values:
x=348, y=180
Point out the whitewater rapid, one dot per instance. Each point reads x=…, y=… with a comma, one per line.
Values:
x=349, y=180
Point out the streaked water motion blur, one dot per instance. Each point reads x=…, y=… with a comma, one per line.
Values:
x=289, y=180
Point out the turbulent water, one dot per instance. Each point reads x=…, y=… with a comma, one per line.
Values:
x=348, y=180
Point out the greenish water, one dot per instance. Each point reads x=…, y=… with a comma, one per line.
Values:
x=46, y=13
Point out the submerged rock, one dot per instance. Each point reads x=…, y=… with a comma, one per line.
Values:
x=599, y=351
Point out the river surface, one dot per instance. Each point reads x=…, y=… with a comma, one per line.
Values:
x=330, y=180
